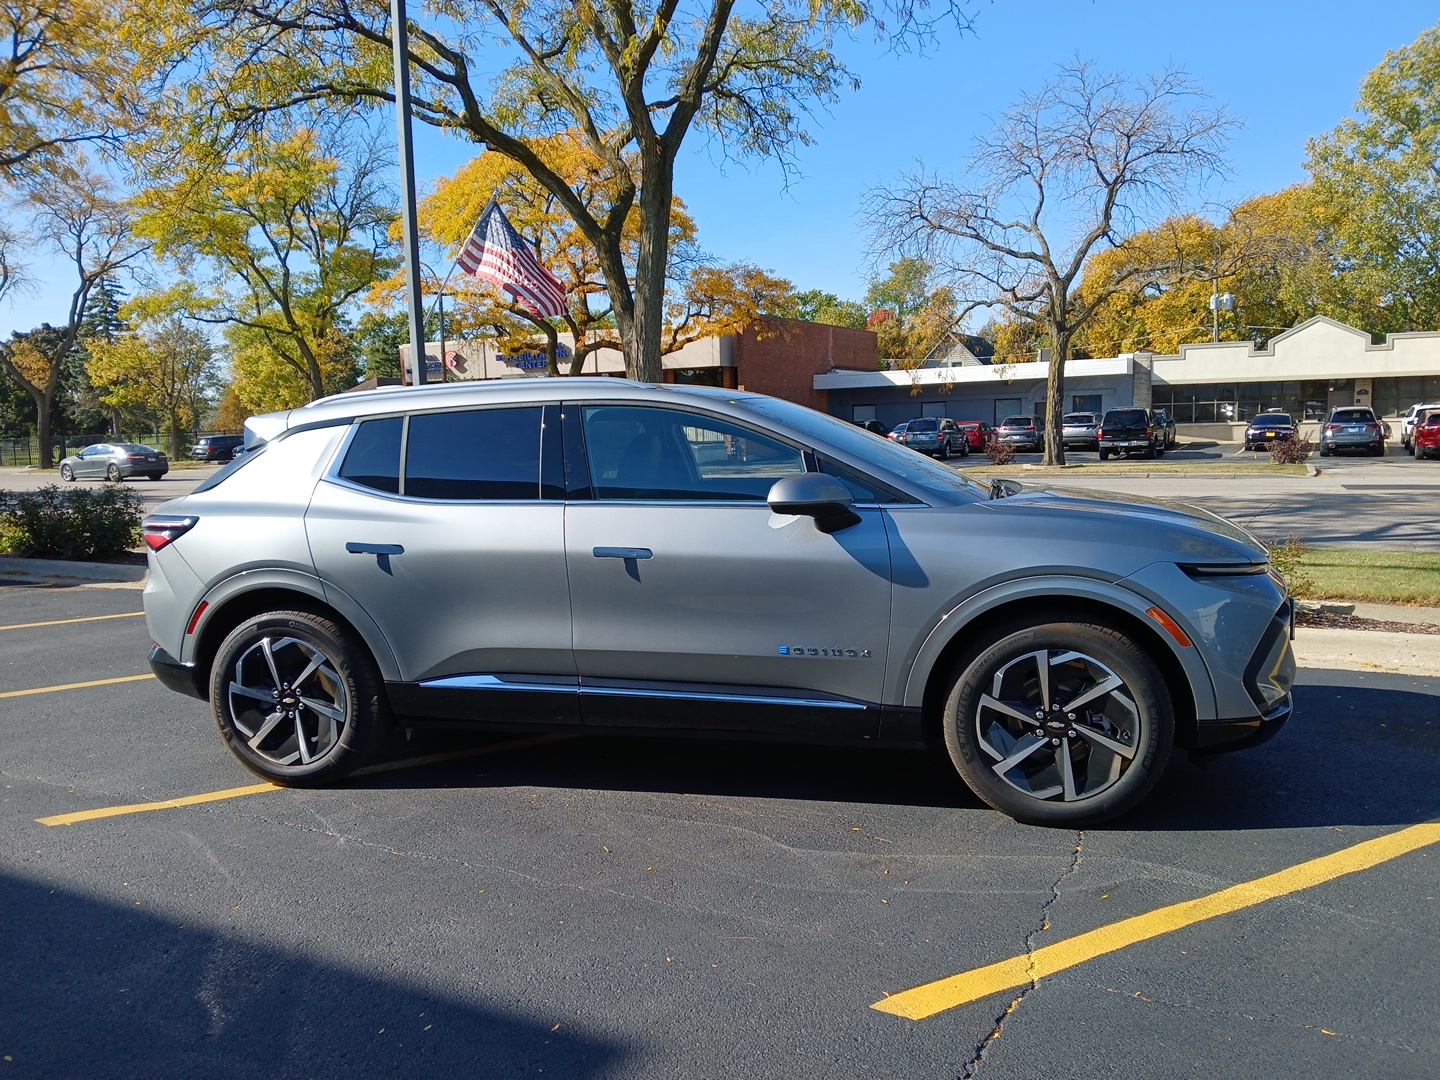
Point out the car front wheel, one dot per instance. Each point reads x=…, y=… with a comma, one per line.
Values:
x=297, y=698
x=1065, y=724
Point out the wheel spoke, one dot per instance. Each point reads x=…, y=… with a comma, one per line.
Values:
x=1099, y=689
x=1089, y=734
x=250, y=692
x=988, y=702
x=1014, y=759
x=1067, y=772
x=265, y=647
x=265, y=728
x=324, y=710
x=300, y=741
x=1042, y=673
x=310, y=669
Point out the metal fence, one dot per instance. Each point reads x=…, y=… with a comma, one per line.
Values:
x=18, y=452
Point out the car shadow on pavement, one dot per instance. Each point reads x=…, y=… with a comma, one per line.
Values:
x=1354, y=754
x=115, y=991
x=1360, y=750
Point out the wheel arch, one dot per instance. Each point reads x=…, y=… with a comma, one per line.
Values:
x=232, y=602
x=977, y=622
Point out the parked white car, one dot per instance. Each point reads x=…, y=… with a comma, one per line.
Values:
x=1407, y=425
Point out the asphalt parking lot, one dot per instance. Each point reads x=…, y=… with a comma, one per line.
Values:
x=588, y=907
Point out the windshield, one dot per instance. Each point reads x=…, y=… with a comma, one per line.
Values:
x=944, y=484
x=1271, y=420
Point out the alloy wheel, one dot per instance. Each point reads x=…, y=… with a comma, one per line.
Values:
x=287, y=701
x=1058, y=724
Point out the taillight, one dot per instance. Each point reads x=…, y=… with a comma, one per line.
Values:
x=166, y=529
x=1332, y=427
x=1149, y=433
x=1100, y=433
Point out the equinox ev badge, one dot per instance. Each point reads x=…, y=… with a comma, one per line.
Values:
x=802, y=650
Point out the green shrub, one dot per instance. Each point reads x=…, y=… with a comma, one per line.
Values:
x=78, y=523
x=1285, y=556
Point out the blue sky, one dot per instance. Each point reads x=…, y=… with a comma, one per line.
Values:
x=1287, y=70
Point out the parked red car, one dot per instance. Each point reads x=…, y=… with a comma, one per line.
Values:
x=977, y=432
x=1426, y=437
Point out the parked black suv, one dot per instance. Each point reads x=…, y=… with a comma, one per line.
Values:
x=1131, y=431
x=216, y=447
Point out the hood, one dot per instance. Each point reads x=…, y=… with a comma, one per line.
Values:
x=1174, y=530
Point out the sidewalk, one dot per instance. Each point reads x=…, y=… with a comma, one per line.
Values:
x=63, y=572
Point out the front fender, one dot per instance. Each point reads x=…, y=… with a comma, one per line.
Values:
x=969, y=618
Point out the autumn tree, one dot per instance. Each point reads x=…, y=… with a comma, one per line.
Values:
x=632, y=78
x=165, y=372
x=1267, y=253
x=1376, y=192
x=909, y=312
x=826, y=308
x=58, y=70
x=1070, y=170
x=279, y=241
x=702, y=296
x=74, y=215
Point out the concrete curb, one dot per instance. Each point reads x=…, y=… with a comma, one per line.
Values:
x=63, y=572
x=1368, y=650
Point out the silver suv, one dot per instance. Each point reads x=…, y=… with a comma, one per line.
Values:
x=594, y=555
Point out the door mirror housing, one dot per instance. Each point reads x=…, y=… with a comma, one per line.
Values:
x=815, y=495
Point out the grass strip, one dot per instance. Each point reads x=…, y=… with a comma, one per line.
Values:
x=1382, y=577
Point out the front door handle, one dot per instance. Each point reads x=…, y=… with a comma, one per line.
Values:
x=623, y=553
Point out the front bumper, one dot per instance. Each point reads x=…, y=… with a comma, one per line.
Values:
x=1223, y=736
x=182, y=678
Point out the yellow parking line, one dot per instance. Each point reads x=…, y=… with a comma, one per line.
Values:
x=167, y=804
x=256, y=789
x=67, y=622
x=925, y=1001
x=75, y=686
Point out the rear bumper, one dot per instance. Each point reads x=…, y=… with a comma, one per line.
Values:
x=182, y=678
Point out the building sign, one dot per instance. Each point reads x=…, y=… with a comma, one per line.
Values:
x=535, y=360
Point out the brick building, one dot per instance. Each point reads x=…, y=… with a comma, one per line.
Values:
x=780, y=357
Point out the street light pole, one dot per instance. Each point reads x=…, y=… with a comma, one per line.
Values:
x=399, y=37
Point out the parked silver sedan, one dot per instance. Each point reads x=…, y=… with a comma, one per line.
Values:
x=115, y=461
x=593, y=555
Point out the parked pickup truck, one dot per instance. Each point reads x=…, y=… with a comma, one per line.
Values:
x=1131, y=431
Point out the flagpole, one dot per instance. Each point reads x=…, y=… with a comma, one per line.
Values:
x=399, y=37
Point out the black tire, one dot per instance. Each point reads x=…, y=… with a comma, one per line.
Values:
x=1104, y=455
x=1160, y=450
x=1324, y=452
x=1124, y=734
x=307, y=739
x=1149, y=454
x=945, y=450
x=1378, y=450
x=965, y=447
x=113, y=474
x=67, y=474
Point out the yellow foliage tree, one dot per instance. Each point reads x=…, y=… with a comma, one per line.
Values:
x=161, y=372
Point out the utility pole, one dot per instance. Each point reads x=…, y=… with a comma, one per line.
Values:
x=399, y=37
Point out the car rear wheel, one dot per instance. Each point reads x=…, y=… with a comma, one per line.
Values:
x=1060, y=724
x=66, y=473
x=945, y=450
x=113, y=474
x=1104, y=455
x=297, y=698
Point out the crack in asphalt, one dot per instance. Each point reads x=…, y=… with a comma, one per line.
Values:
x=983, y=1047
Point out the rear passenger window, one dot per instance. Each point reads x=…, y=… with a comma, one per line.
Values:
x=484, y=454
x=373, y=459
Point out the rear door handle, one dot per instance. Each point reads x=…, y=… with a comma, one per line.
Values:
x=374, y=549
x=623, y=553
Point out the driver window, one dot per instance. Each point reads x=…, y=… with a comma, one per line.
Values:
x=669, y=455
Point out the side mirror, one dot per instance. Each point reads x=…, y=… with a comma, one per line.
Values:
x=817, y=496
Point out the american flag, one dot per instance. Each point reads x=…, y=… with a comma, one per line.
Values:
x=496, y=253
